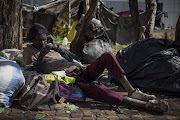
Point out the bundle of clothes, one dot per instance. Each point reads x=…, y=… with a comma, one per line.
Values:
x=34, y=91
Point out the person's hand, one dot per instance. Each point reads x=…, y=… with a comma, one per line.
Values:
x=44, y=50
x=48, y=46
x=50, y=39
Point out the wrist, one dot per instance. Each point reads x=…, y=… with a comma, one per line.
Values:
x=54, y=47
x=40, y=57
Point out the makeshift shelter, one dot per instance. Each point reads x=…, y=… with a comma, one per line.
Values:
x=119, y=28
x=114, y=24
x=49, y=13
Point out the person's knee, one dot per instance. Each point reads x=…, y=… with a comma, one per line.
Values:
x=109, y=54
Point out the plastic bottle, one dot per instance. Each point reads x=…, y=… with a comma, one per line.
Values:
x=65, y=41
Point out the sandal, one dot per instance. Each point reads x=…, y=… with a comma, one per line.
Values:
x=137, y=94
x=157, y=105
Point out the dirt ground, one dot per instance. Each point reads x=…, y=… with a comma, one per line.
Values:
x=93, y=110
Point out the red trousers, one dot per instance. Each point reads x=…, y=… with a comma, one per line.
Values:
x=85, y=78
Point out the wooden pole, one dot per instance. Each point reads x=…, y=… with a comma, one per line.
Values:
x=69, y=24
x=86, y=6
x=11, y=24
x=151, y=7
x=133, y=4
x=77, y=44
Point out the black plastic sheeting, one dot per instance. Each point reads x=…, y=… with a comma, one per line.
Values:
x=152, y=64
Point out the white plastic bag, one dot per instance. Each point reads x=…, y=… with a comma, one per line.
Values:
x=13, y=54
x=59, y=73
x=11, y=82
x=65, y=41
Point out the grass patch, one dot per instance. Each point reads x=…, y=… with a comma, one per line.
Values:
x=58, y=40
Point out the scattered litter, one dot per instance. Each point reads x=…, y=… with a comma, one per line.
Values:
x=117, y=110
x=60, y=108
x=62, y=99
x=24, y=112
x=30, y=111
x=113, y=110
x=1, y=110
x=41, y=112
x=39, y=116
x=68, y=112
x=65, y=41
x=101, y=114
x=123, y=108
x=72, y=107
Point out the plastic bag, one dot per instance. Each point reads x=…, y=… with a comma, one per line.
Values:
x=70, y=93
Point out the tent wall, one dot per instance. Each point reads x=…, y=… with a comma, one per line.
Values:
x=35, y=2
x=47, y=14
x=172, y=7
x=122, y=5
x=119, y=28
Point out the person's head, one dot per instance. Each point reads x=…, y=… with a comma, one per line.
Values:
x=39, y=35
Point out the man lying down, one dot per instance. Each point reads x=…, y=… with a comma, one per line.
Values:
x=44, y=57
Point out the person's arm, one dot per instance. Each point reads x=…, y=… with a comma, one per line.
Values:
x=34, y=60
x=32, y=63
x=39, y=65
x=63, y=52
x=68, y=55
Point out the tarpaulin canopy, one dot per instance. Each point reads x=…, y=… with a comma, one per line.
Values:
x=119, y=28
x=48, y=13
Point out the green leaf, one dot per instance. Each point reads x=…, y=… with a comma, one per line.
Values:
x=72, y=107
x=101, y=114
x=39, y=116
x=1, y=110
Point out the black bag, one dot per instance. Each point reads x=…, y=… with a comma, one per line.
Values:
x=151, y=64
x=39, y=95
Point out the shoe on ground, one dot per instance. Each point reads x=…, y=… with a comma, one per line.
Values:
x=157, y=105
x=137, y=94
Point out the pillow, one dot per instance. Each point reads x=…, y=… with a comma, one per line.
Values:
x=11, y=79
